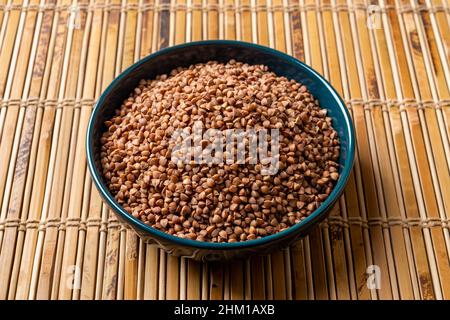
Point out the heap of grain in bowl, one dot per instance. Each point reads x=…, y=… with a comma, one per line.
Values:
x=219, y=201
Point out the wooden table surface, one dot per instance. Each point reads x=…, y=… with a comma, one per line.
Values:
x=389, y=60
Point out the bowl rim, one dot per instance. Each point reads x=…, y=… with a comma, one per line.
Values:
x=317, y=214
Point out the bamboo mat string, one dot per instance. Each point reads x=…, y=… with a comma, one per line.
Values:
x=235, y=6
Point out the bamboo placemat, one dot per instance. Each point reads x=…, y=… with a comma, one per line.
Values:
x=389, y=59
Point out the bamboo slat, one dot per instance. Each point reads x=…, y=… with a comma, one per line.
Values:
x=338, y=232
x=95, y=212
x=59, y=241
x=30, y=219
x=109, y=254
x=41, y=275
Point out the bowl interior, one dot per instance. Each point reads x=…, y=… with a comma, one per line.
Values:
x=184, y=55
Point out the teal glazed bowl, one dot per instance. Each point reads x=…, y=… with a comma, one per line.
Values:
x=184, y=55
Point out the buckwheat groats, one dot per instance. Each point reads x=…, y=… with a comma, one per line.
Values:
x=220, y=201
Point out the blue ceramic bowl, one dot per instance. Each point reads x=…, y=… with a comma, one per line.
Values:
x=187, y=54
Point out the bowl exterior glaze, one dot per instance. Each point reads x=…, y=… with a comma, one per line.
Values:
x=220, y=50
